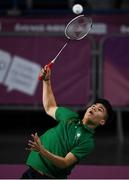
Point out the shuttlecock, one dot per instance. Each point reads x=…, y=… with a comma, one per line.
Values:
x=77, y=9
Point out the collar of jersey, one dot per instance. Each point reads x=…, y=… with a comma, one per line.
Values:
x=89, y=129
x=85, y=126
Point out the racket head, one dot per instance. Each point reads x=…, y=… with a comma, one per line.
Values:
x=78, y=27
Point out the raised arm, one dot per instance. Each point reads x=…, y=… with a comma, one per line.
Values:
x=48, y=98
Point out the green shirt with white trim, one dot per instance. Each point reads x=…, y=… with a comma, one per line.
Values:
x=69, y=135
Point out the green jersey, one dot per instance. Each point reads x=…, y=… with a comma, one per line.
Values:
x=69, y=135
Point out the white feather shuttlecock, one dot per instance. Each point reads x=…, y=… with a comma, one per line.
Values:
x=77, y=9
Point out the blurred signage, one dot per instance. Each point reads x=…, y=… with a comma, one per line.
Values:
x=17, y=73
x=102, y=25
x=21, y=58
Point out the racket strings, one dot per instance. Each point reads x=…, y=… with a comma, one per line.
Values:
x=78, y=28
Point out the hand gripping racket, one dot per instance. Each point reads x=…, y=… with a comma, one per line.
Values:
x=76, y=29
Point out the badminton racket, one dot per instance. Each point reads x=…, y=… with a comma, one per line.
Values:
x=76, y=29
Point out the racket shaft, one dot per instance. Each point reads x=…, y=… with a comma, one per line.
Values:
x=52, y=62
x=59, y=52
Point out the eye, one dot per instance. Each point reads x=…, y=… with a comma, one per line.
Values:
x=101, y=109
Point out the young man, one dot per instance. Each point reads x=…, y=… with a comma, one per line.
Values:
x=57, y=151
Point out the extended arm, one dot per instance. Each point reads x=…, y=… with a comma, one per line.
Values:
x=48, y=98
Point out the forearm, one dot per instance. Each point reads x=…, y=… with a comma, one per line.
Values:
x=58, y=161
x=48, y=96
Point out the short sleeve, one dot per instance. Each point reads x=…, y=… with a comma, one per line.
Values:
x=83, y=149
x=63, y=113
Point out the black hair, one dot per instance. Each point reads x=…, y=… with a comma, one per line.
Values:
x=107, y=105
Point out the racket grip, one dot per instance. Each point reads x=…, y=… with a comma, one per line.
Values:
x=50, y=65
x=40, y=77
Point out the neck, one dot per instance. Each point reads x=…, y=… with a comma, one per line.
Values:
x=88, y=123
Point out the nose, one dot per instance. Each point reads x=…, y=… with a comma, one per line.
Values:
x=94, y=108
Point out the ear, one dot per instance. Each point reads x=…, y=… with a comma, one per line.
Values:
x=102, y=122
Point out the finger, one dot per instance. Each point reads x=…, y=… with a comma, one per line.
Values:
x=36, y=135
x=31, y=149
x=36, y=139
x=30, y=141
x=33, y=136
x=31, y=145
x=42, y=71
x=28, y=149
x=46, y=67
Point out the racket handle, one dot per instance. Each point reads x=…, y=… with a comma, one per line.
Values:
x=50, y=64
x=40, y=77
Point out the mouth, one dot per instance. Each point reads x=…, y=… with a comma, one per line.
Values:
x=91, y=112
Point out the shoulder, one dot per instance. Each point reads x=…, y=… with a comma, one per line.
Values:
x=65, y=113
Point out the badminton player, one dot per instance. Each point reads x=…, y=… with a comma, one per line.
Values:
x=55, y=153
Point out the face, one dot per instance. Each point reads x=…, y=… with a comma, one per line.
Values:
x=95, y=115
